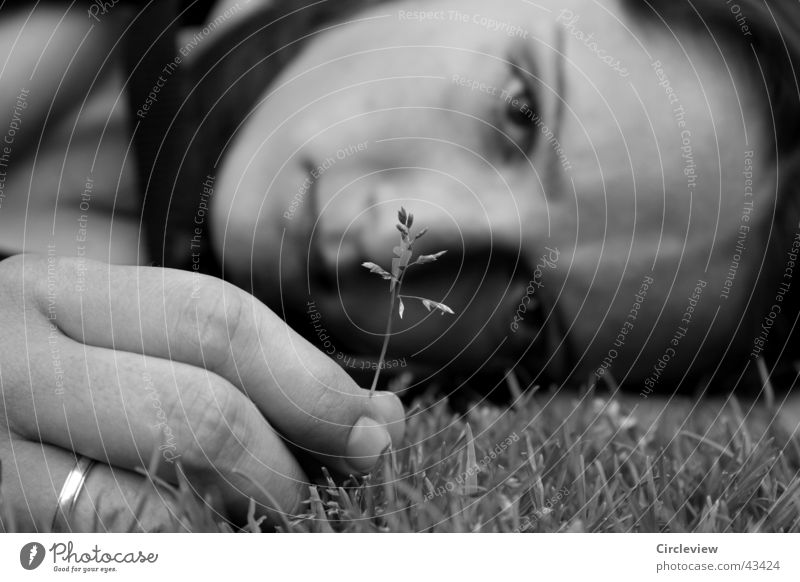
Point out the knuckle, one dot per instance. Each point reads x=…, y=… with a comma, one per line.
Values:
x=10, y=267
x=157, y=519
x=37, y=280
x=331, y=407
x=123, y=502
x=159, y=512
x=18, y=273
x=27, y=284
x=210, y=319
x=220, y=427
x=327, y=398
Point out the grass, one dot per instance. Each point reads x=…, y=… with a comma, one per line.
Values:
x=577, y=465
x=552, y=463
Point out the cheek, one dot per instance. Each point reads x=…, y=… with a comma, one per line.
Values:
x=262, y=208
x=687, y=230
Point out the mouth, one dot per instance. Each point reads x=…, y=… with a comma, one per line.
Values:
x=497, y=326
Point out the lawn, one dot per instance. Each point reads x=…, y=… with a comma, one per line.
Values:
x=583, y=463
x=554, y=462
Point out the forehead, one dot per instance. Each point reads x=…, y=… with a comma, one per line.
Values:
x=599, y=50
x=616, y=77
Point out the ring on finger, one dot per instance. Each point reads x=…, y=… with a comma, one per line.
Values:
x=70, y=492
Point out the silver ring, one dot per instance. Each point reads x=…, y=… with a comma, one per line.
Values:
x=69, y=494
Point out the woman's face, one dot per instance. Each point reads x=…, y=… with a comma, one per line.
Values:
x=585, y=172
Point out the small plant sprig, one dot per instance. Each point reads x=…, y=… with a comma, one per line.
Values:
x=400, y=264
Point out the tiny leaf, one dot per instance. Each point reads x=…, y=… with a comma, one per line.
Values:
x=424, y=259
x=429, y=305
x=402, y=307
x=410, y=220
x=402, y=216
x=373, y=268
x=421, y=233
x=471, y=467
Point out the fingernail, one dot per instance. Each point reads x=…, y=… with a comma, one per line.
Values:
x=389, y=408
x=368, y=439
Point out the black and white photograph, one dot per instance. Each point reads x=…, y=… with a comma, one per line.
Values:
x=474, y=267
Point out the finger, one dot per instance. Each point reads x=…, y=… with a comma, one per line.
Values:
x=111, y=499
x=120, y=408
x=208, y=323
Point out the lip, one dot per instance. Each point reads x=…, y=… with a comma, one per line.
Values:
x=530, y=344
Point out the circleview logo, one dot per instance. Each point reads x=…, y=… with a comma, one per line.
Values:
x=31, y=555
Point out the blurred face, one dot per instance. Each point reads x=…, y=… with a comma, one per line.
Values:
x=583, y=170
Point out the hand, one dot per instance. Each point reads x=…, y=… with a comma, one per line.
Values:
x=115, y=363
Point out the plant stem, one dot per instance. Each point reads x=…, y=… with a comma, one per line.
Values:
x=386, y=337
x=412, y=297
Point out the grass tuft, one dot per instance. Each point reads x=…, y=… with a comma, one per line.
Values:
x=592, y=468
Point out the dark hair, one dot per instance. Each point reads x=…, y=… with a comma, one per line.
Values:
x=768, y=31
x=766, y=34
